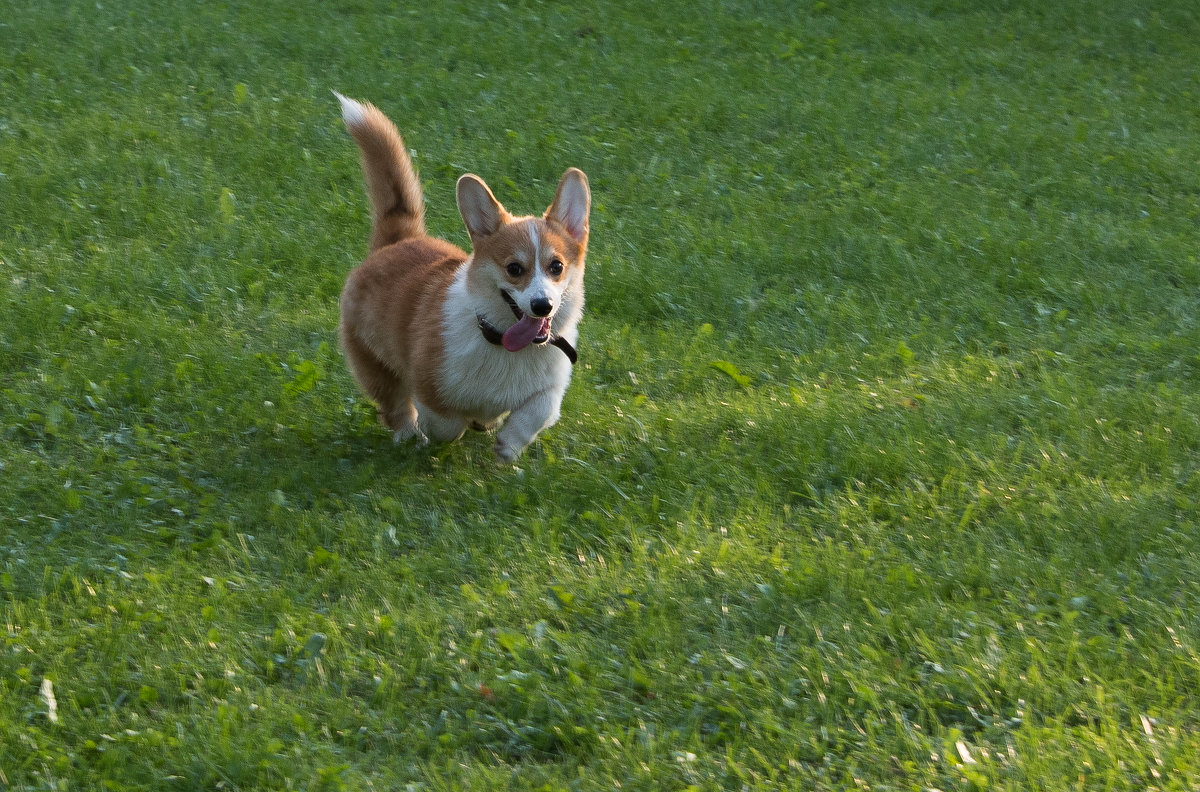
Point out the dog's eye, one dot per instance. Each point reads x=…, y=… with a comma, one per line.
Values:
x=514, y=269
x=555, y=268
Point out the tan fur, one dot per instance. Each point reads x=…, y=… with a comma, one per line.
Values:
x=381, y=330
x=410, y=312
x=511, y=242
x=397, y=206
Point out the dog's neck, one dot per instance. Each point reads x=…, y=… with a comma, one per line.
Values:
x=496, y=337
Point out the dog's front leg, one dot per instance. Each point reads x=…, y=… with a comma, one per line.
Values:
x=536, y=413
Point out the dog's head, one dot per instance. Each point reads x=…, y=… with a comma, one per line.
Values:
x=532, y=265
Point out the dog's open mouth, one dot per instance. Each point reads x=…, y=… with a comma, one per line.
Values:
x=528, y=329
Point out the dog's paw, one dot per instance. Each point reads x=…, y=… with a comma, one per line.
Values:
x=408, y=433
x=505, y=452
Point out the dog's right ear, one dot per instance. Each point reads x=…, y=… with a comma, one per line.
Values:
x=572, y=203
x=480, y=210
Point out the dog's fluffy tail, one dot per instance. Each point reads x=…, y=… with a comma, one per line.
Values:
x=397, y=206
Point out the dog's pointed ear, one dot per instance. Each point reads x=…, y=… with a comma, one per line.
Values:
x=480, y=210
x=572, y=203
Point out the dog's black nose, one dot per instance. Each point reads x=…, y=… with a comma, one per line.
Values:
x=540, y=307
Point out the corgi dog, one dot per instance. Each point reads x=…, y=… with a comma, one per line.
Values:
x=442, y=340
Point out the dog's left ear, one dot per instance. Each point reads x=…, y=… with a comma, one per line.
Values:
x=571, y=204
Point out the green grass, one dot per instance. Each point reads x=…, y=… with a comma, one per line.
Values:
x=929, y=522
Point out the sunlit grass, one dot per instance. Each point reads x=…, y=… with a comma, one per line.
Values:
x=878, y=468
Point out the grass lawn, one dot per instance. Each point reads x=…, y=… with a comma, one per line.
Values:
x=879, y=468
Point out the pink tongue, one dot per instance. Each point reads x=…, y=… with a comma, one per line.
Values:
x=523, y=332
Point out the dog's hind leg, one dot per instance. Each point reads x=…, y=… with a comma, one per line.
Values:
x=403, y=423
x=393, y=401
x=441, y=428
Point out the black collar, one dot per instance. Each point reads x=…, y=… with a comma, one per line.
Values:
x=494, y=336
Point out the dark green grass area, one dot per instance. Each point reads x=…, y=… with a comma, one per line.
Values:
x=879, y=468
